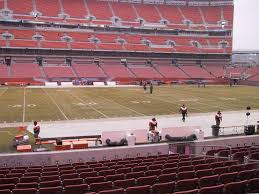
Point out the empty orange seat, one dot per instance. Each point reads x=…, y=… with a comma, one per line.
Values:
x=23, y=148
x=64, y=146
x=80, y=144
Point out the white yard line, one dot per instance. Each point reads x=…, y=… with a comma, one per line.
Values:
x=167, y=101
x=24, y=104
x=3, y=92
x=123, y=106
x=8, y=132
x=80, y=99
x=52, y=99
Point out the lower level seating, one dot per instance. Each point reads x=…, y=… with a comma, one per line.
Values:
x=25, y=71
x=3, y=71
x=59, y=72
x=145, y=72
x=89, y=71
x=117, y=71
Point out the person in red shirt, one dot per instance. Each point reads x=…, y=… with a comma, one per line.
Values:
x=183, y=110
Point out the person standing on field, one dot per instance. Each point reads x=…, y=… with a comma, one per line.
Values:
x=183, y=110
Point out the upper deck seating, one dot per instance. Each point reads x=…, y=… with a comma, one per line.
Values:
x=99, y=9
x=148, y=13
x=171, y=13
x=48, y=7
x=212, y=14
x=192, y=14
x=75, y=9
x=124, y=11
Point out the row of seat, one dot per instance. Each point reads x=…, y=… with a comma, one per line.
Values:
x=127, y=12
x=112, y=71
x=143, y=186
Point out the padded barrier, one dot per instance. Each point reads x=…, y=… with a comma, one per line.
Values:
x=191, y=137
x=122, y=142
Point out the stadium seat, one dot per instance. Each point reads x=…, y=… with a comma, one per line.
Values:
x=25, y=191
x=218, y=189
x=27, y=185
x=246, y=174
x=97, y=187
x=147, y=180
x=115, y=177
x=208, y=181
x=186, y=175
x=236, y=187
x=253, y=185
x=194, y=191
x=164, y=178
x=7, y=186
x=138, y=190
x=113, y=191
x=55, y=183
x=124, y=183
x=49, y=178
x=161, y=188
x=76, y=189
x=96, y=179
x=74, y=181
x=185, y=168
x=228, y=177
x=29, y=179
x=153, y=172
x=134, y=174
x=220, y=170
x=5, y=191
x=52, y=190
x=205, y=172
x=187, y=184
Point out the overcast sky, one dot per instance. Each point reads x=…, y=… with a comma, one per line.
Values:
x=246, y=25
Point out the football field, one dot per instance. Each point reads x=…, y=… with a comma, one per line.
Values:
x=18, y=104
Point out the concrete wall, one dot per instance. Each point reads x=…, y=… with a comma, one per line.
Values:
x=94, y=154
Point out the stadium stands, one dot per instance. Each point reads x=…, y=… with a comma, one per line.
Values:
x=59, y=72
x=105, y=176
x=25, y=71
x=89, y=70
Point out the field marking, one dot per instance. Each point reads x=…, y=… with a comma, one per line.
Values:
x=52, y=99
x=167, y=101
x=3, y=92
x=223, y=98
x=80, y=99
x=24, y=102
x=123, y=106
x=8, y=132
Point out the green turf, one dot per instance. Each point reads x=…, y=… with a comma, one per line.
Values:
x=90, y=103
x=7, y=137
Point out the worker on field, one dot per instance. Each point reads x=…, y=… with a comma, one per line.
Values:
x=153, y=132
x=183, y=110
x=36, y=129
x=151, y=87
x=145, y=86
x=218, y=118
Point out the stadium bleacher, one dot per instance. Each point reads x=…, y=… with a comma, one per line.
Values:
x=157, y=174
